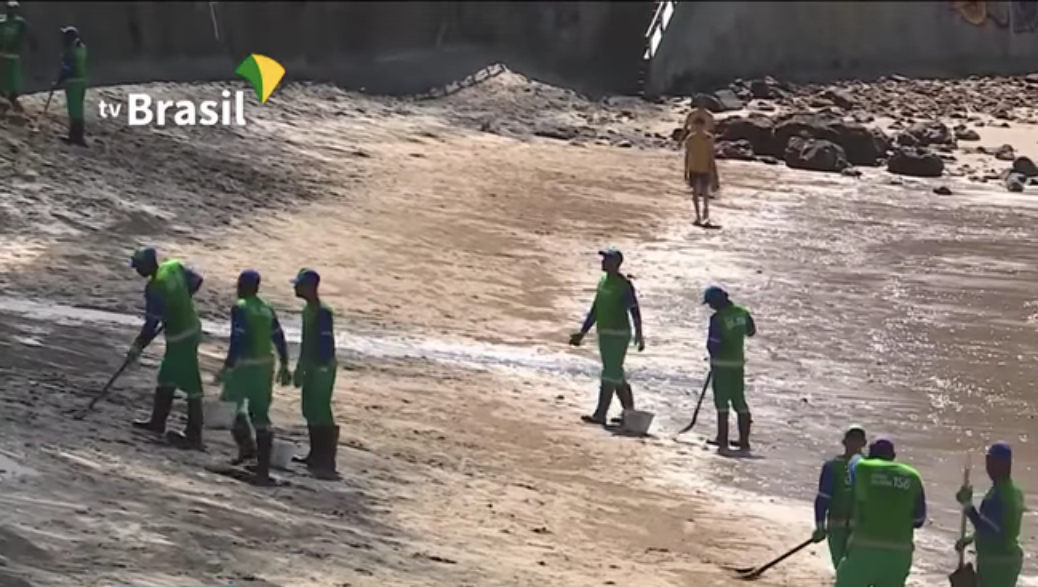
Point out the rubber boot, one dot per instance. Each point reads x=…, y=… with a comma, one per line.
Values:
x=191, y=438
x=160, y=407
x=605, y=398
x=744, y=431
x=242, y=434
x=264, y=446
x=722, y=431
x=626, y=397
x=309, y=455
x=325, y=468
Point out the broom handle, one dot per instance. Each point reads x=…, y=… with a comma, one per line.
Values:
x=962, y=523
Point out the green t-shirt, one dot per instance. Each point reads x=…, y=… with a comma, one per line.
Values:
x=886, y=496
x=613, y=302
x=1004, y=503
x=178, y=310
x=841, y=503
x=732, y=324
x=259, y=320
x=12, y=36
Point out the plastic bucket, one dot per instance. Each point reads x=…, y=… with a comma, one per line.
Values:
x=219, y=415
x=281, y=454
x=636, y=422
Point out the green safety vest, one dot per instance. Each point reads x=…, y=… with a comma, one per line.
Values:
x=259, y=324
x=885, y=496
x=1013, y=501
x=841, y=502
x=79, y=63
x=12, y=37
x=611, y=306
x=733, y=322
x=178, y=310
x=311, y=343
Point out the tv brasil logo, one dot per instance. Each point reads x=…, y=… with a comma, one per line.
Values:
x=263, y=74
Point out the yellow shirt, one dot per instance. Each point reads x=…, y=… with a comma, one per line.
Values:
x=699, y=152
x=701, y=113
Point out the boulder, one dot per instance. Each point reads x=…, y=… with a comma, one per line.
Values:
x=926, y=133
x=803, y=125
x=915, y=161
x=728, y=100
x=815, y=155
x=708, y=101
x=1005, y=153
x=758, y=130
x=741, y=150
x=1015, y=182
x=842, y=98
x=1024, y=166
x=963, y=133
x=864, y=146
x=942, y=190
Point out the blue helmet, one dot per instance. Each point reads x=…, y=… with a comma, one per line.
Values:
x=714, y=295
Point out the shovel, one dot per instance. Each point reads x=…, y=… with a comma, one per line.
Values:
x=751, y=573
x=963, y=575
x=35, y=127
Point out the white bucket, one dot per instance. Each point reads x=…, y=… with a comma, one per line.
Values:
x=219, y=415
x=636, y=422
x=281, y=454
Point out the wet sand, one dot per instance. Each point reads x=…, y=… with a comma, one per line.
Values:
x=458, y=262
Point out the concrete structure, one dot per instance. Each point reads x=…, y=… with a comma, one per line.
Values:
x=386, y=47
x=708, y=44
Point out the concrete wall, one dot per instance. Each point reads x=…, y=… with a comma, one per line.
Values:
x=711, y=43
x=387, y=47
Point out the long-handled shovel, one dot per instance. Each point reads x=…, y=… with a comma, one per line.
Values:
x=35, y=127
x=963, y=575
x=751, y=573
x=699, y=404
x=79, y=415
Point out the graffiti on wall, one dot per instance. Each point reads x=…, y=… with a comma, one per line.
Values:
x=1019, y=16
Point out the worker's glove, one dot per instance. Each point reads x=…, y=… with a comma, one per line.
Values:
x=297, y=377
x=965, y=496
x=576, y=338
x=962, y=543
x=134, y=353
x=818, y=535
x=639, y=342
x=284, y=377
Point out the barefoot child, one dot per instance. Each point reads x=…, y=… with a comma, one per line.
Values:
x=699, y=166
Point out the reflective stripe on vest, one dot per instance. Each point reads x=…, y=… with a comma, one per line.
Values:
x=999, y=559
x=724, y=363
x=881, y=544
x=613, y=332
x=10, y=56
x=184, y=335
x=254, y=361
x=841, y=523
x=75, y=79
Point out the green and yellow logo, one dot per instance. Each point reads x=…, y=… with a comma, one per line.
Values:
x=263, y=73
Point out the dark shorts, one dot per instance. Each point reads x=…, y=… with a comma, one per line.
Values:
x=699, y=182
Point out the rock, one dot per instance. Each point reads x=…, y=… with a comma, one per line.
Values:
x=815, y=155
x=758, y=130
x=768, y=160
x=765, y=88
x=842, y=98
x=728, y=100
x=1025, y=167
x=1015, y=182
x=851, y=172
x=916, y=162
x=942, y=191
x=864, y=146
x=625, y=144
x=678, y=134
x=741, y=150
x=966, y=134
x=764, y=106
x=802, y=124
x=562, y=133
x=862, y=117
x=1005, y=153
x=926, y=133
x=707, y=101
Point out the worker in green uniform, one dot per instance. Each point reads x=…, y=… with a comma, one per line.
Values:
x=168, y=300
x=730, y=325
x=315, y=375
x=13, y=30
x=248, y=373
x=74, y=77
x=835, y=500
x=889, y=505
x=997, y=523
x=615, y=299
